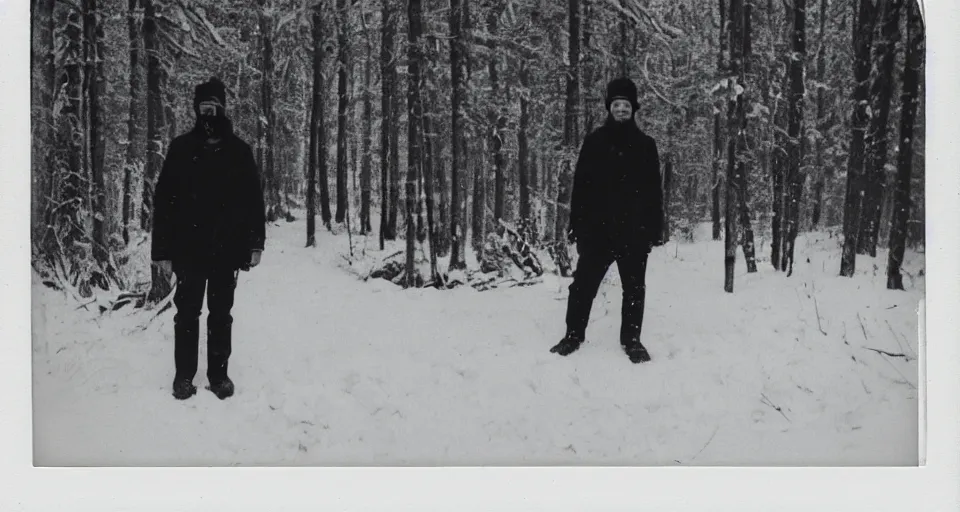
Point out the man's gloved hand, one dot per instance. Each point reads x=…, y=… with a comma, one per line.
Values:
x=571, y=237
x=253, y=261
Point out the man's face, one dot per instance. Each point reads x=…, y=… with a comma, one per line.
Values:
x=208, y=109
x=621, y=110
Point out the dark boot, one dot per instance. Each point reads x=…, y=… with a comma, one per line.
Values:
x=636, y=351
x=568, y=345
x=223, y=388
x=183, y=388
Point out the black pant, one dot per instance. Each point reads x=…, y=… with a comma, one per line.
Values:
x=220, y=286
x=592, y=266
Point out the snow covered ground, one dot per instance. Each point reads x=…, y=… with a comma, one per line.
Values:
x=331, y=370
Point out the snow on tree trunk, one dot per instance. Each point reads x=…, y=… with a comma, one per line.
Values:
x=366, y=171
x=821, y=171
x=853, y=208
x=95, y=97
x=570, y=123
x=795, y=177
x=342, y=50
x=523, y=151
x=717, y=125
x=414, y=138
x=316, y=120
x=135, y=120
x=734, y=111
x=46, y=142
x=387, y=123
x=876, y=140
x=458, y=170
x=912, y=71
x=747, y=241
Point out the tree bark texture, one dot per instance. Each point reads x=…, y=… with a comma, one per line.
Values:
x=909, y=99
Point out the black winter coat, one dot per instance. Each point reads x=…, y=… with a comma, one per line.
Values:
x=208, y=204
x=617, y=199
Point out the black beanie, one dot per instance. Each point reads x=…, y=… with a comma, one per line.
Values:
x=212, y=89
x=622, y=88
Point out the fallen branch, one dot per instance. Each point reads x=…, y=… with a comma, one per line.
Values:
x=897, y=338
x=398, y=253
x=84, y=305
x=905, y=380
x=766, y=401
x=863, y=327
x=706, y=444
x=816, y=307
x=891, y=354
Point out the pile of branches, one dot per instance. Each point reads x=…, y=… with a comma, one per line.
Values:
x=102, y=282
x=507, y=259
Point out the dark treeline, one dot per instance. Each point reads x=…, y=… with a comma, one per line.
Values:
x=440, y=122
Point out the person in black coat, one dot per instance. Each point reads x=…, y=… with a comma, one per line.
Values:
x=616, y=215
x=208, y=224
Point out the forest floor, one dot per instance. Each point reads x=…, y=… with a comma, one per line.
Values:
x=333, y=370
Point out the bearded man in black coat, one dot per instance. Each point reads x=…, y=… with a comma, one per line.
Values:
x=208, y=225
x=616, y=215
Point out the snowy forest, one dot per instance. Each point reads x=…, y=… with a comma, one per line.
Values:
x=455, y=125
x=417, y=159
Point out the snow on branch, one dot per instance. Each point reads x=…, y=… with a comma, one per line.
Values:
x=646, y=78
x=485, y=39
x=640, y=14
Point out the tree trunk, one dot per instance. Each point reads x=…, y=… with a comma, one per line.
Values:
x=387, y=124
x=431, y=163
x=160, y=281
x=478, y=215
x=72, y=193
x=588, y=64
x=458, y=169
x=316, y=120
x=743, y=171
x=326, y=215
x=779, y=160
x=570, y=124
x=154, y=114
x=876, y=140
x=523, y=149
x=718, y=127
x=909, y=99
x=820, y=123
x=342, y=194
x=97, y=92
x=667, y=191
x=624, y=50
x=274, y=207
x=414, y=137
x=496, y=119
x=852, y=211
x=366, y=172
x=795, y=130
x=134, y=131
x=47, y=143
x=395, y=106
x=440, y=170
x=734, y=111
